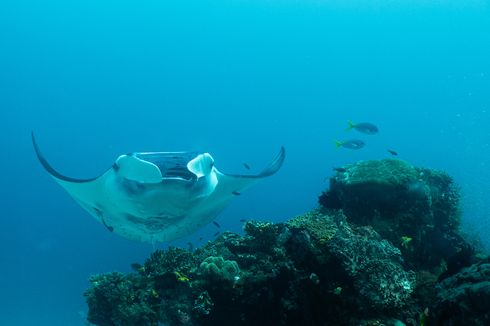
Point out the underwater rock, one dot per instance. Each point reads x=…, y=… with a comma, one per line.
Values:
x=464, y=298
x=369, y=190
x=374, y=265
x=296, y=272
x=320, y=226
x=416, y=209
x=168, y=261
x=120, y=300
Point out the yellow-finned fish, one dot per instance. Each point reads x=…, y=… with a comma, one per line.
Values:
x=364, y=127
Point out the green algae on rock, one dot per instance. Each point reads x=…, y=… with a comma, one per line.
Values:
x=317, y=223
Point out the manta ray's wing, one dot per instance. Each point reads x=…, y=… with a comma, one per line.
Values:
x=232, y=185
x=86, y=192
x=236, y=183
x=98, y=195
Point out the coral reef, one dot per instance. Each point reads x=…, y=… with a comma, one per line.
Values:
x=120, y=300
x=416, y=209
x=217, y=269
x=374, y=265
x=382, y=248
x=464, y=298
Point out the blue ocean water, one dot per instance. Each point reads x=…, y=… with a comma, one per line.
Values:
x=234, y=78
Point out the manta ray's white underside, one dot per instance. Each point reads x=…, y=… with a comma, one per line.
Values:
x=158, y=196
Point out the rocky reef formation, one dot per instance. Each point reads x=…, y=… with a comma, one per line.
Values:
x=382, y=248
x=464, y=298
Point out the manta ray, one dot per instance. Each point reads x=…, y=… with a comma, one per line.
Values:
x=158, y=196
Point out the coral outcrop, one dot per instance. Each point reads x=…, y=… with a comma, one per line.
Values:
x=382, y=248
x=416, y=209
x=464, y=298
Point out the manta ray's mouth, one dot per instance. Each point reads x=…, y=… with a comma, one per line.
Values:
x=171, y=164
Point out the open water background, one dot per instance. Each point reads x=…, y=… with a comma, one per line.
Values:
x=238, y=79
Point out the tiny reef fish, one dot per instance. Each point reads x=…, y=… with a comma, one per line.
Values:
x=340, y=169
x=350, y=144
x=392, y=152
x=216, y=224
x=246, y=166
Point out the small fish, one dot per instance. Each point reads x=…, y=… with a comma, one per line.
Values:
x=181, y=277
x=350, y=144
x=200, y=238
x=392, y=152
x=364, y=127
x=246, y=166
x=340, y=169
x=216, y=224
x=216, y=234
x=243, y=220
x=236, y=193
x=405, y=241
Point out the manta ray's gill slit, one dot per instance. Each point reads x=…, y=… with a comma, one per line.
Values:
x=152, y=223
x=98, y=212
x=100, y=215
x=110, y=228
